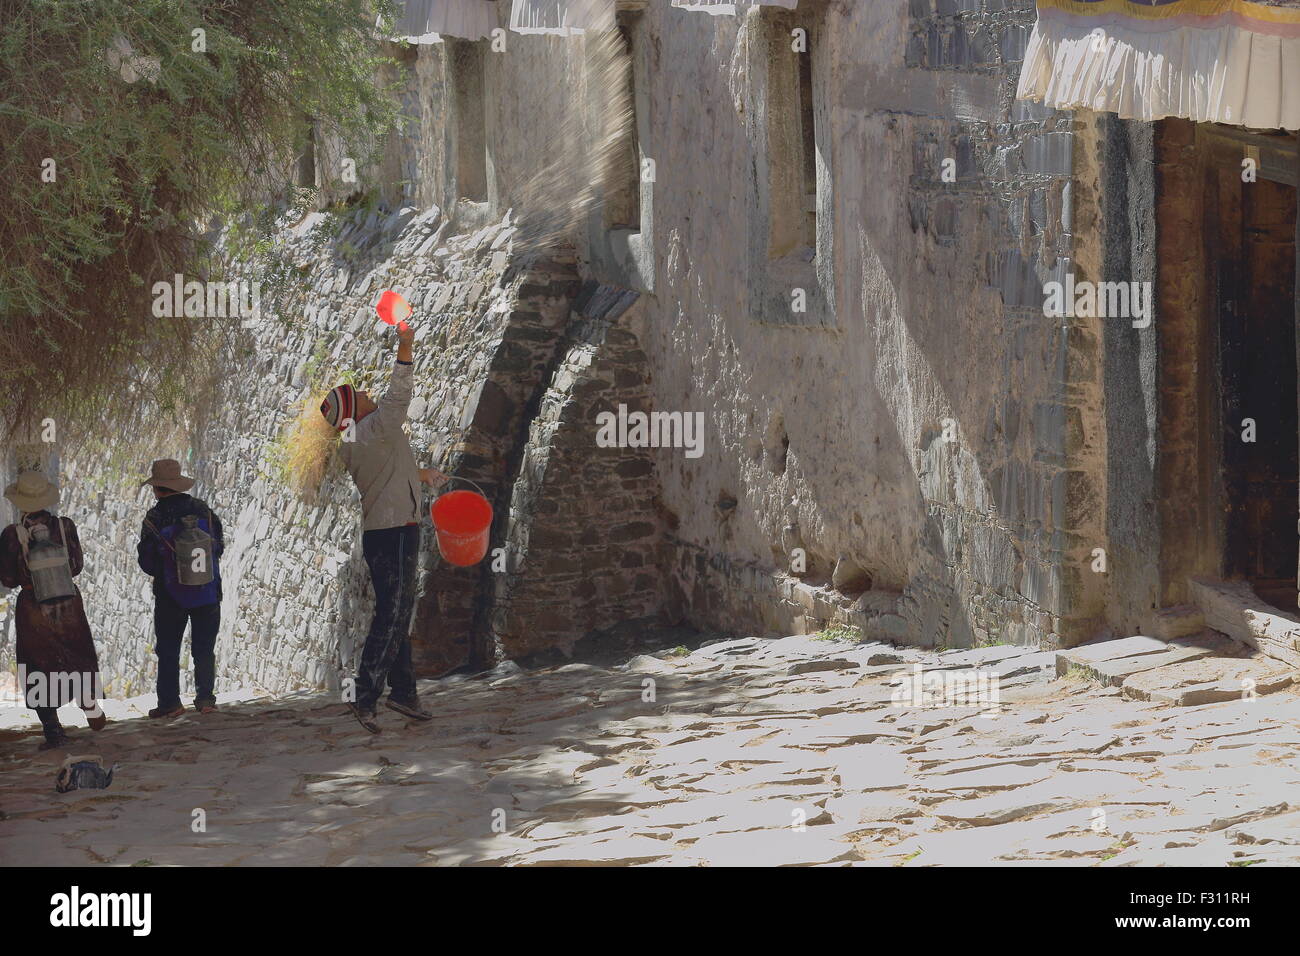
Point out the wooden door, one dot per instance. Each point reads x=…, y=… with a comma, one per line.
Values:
x=1257, y=351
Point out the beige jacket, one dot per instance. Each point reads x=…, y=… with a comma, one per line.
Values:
x=381, y=462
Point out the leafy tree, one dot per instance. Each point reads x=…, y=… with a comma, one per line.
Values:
x=126, y=126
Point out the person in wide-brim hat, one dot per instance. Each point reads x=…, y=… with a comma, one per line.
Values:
x=166, y=473
x=179, y=604
x=53, y=645
x=32, y=492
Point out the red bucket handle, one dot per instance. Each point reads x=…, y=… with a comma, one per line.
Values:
x=451, y=478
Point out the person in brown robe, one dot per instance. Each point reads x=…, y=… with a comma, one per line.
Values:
x=54, y=648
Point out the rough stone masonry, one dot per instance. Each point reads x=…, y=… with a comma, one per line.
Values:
x=942, y=206
x=511, y=360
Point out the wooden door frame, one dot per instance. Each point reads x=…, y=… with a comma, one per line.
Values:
x=1276, y=153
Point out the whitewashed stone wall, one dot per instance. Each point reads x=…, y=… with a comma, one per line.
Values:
x=830, y=437
x=297, y=595
x=496, y=325
x=826, y=437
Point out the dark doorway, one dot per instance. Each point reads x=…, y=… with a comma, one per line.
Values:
x=1256, y=275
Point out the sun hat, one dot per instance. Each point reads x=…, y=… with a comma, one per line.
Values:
x=32, y=492
x=166, y=473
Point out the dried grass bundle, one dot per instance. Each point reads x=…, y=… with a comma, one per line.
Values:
x=308, y=447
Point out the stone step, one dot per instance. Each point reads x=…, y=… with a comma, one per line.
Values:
x=1209, y=680
x=1234, y=609
x=1087, y=655
x=1182, y=620
x=1113, y=671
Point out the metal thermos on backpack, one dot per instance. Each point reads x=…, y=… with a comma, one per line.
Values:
x=193, y=553
x=49, y=566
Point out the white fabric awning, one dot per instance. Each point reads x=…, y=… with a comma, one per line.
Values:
x=731, y=7
x=427, y=21
x=561, y=17
x=1216, y=61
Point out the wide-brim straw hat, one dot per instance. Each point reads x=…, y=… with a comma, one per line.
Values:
x=32, y=492
x=166, y=473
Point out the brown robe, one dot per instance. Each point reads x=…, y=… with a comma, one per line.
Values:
x=52, y=638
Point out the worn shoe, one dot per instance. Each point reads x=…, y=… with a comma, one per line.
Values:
x=96, y=719
x=207, y=706
x=366, y=718
x=55, y=741
x=411, y=710
x=159, y=713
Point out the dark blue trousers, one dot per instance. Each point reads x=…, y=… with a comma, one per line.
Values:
x=393, y=555
x=169, y=620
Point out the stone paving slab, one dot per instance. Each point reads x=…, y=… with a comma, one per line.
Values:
x=1113, y=673
x=1107, y=651
x=1233, y=608
x=753, y=752
x=1208, y=680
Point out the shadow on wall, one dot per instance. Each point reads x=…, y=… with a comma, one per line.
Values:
x=950, y=483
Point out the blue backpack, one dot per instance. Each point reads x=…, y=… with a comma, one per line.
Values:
x=190, y=571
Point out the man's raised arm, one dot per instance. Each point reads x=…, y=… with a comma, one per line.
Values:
x=393, y=406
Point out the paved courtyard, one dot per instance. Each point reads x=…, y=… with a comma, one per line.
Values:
x=796, y=751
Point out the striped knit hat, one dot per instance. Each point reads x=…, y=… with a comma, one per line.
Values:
x=340, y=406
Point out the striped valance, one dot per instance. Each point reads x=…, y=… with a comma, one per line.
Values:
x=427, y=21
x=561, y=17
x=1219, y=61
x=731, y=7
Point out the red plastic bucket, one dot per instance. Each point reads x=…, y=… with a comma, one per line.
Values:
x=462, y=520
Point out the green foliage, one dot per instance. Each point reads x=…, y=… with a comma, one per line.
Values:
x=1078, y=674
x=150, y=139
x=1116, y=848
x=314, y=371
x=840, y=632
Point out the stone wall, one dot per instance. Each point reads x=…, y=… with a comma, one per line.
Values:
x=581, y=509
x=922, y=426
x=924, y=458
x=297, y=597
x=452, y=627
x=831, y=438
x=499, y=343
